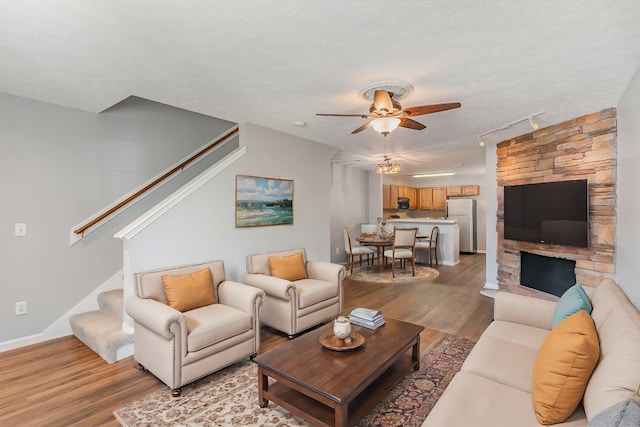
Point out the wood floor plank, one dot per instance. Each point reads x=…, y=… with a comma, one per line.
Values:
x=63, y=383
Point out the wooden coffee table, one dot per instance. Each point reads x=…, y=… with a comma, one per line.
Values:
x=337, y=388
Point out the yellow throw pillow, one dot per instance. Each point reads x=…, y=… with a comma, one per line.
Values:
x=563, y=366
x=288, y=267
x=189, y=291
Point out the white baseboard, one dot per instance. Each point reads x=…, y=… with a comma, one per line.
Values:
x=490, y=290
x=490, y=293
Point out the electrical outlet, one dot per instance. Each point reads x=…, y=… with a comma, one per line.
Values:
x=337, y=251
x=21, y=308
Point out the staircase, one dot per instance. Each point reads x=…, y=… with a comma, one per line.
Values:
x=102, y=330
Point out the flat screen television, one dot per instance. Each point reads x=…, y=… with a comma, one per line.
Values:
x=555, y=213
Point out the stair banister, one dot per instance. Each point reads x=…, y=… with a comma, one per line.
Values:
x=179, y=167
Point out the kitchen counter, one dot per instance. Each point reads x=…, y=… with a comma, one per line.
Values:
x=448, y=240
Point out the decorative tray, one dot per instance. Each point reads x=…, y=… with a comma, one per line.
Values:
x=331, y=342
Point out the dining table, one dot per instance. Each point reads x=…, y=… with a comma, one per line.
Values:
x=379, y=242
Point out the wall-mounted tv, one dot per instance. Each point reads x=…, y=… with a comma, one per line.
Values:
x=556, y=213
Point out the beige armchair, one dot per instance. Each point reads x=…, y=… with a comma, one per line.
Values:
x=310, y=293
x=182, y=345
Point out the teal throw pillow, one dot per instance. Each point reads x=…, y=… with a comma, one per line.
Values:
x=573, y=300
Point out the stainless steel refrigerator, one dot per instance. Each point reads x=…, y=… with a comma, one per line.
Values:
x=464, y=212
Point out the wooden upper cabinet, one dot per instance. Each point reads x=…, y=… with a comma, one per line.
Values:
x=386, y=196
x=425, y=198
x=470, y=190
x=454, y=191
x=393, y=199
x=463, y=190
x=439, y=197
x=430, y=198
x=413, y=198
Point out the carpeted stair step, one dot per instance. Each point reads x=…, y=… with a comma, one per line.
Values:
x=102, y=330
x=112, y=302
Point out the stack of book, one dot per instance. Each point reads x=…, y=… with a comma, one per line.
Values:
x=366, y=317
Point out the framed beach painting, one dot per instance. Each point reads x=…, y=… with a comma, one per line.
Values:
x=263, y=201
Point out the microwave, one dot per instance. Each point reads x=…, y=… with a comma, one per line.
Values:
x=403, y=203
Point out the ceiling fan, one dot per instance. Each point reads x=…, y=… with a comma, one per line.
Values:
x=387, y=114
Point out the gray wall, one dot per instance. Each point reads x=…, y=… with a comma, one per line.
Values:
x=61, y=165
x=202, y=226
x=628, y=209
x=350, y=205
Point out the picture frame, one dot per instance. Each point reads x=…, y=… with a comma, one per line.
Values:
x=262, y=201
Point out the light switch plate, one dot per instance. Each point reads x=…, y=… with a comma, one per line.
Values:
x=21, y=230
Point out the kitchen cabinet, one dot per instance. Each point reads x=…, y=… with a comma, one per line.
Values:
x=386, y=196
x=454, y=191
x=413, y=198
x=425, y=198
x=439, y=198
x=470, y=190
x=394, y=194
x=463, y=190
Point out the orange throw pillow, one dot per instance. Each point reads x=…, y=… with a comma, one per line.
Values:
x=288, y=267
x=189, y=291
x=563, y=366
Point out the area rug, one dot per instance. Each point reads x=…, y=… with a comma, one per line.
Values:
x=371, y=274
x=230, y=397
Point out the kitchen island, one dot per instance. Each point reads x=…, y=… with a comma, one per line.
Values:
x=448, y=240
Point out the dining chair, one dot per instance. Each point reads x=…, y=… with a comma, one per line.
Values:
x=404, y=243
x=356, y=250
x=430, y=245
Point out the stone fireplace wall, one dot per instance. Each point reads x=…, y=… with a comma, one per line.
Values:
x=584, y=147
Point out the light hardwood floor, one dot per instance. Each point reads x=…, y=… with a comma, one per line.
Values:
x=64, y=383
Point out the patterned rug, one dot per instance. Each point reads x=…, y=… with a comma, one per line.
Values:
x=230, y=397
x=371, y=274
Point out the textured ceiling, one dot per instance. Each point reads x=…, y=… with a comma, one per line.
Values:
x=275, y=62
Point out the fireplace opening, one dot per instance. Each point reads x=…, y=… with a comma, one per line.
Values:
x=547, y=274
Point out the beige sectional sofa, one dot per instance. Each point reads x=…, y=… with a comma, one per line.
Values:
x=494, y=386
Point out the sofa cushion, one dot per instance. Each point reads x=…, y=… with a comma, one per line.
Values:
x=189, y=291
x=624, y=414
x=506, y=354
x=617, y=375
x=473, y=400
x=209, y=325
x=572, y=300
x=290, y=267
x=563, y=366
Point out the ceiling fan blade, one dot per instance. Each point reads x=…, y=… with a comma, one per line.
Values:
x=363, y=127
x=428, y=109
x=411, y=124
x=364, y=116
x=382, y=101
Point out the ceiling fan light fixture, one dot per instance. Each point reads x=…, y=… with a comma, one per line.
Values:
x=385, y=125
